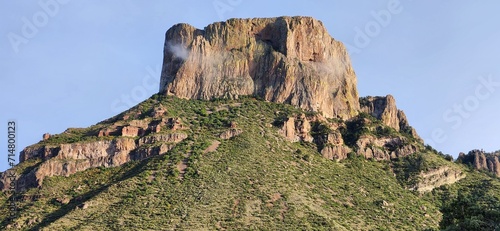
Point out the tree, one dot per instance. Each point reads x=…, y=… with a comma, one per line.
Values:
x=474, y=209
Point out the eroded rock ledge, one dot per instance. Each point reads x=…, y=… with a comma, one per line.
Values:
x=437, y=177
x=330, y=137
x=119, y=143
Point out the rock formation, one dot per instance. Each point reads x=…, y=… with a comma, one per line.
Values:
x=385, y=148
x=437, y=177
x=286, y=60
x=122, y=147
x=46, y=136
x=328, y=137
x=289, y=60
x=232, y=132
x=384, y=109
x=297, y=129
x=481, y=161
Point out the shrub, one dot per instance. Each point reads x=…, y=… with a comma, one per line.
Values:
x=409, y=167
x=472, y=209
x=448, y=157
x=353, y=130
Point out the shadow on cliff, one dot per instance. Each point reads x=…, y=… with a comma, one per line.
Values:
x=78, y=201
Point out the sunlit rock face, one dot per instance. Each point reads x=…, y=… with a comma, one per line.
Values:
x=286, y=60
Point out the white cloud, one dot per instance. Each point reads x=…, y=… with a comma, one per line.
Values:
x=179, y=50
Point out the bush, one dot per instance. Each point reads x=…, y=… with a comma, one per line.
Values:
x=409, y=167
x=471, y=209
x=282, y=117
x=353, y=130
x=202, y=111
x=351, y=155
x=384, y=131
x=448, y=157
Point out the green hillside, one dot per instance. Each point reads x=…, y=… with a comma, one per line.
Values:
x=253, y=181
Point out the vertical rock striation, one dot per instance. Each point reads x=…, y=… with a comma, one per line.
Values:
x=286, y=60
x=384, y=108
x=481, y=161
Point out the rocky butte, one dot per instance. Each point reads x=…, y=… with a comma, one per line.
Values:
x=285, y=60
x=291, y=60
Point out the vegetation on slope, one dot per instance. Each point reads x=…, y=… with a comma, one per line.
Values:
x=254, y=181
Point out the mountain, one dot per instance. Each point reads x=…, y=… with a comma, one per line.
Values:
x=257, y=125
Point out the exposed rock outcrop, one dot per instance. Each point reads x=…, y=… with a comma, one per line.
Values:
x=67, y=159
x=437, y=177
x=385, y=148
x=330, y=141
x=286, y=60
x=325, y=135
x=46, y=136
x=335, y=152
x=166, y=138
x=158, y=112
x=384, y=108
x=230, y=133
x=131, y=131
x=143, y=152
x=482, y=161
x=175, y=124
x=297, y=129
x=36, y=151
x=106, y=153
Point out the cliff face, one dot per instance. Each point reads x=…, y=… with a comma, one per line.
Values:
x=286, y=60
x=330, y=139
x=384, y=109
x=120, y=143
x=437, y=177
x=482, y=161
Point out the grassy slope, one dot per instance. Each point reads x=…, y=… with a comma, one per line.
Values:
x=254, y=181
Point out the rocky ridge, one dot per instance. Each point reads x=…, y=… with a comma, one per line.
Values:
x=117, y=144
x=330, y=137
x=385, y=109
x=290, y=60
x=481, y=160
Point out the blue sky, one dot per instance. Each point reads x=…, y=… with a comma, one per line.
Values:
x=73, y=63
